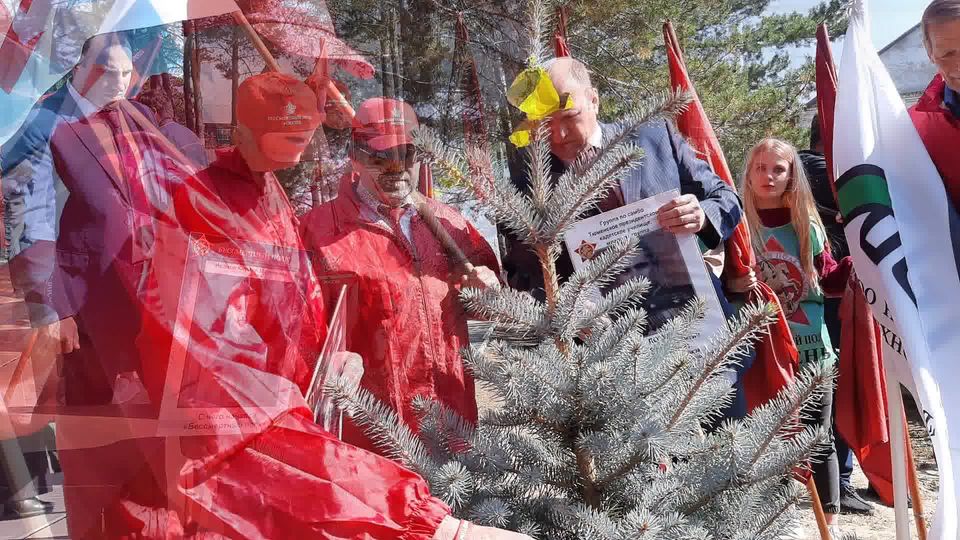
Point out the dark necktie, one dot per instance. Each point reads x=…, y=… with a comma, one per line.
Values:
x=130, y=158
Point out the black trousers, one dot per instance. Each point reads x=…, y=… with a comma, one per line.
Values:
x=24, y=464
x=826, y=470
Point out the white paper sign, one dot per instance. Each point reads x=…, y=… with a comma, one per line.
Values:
x=671, y=262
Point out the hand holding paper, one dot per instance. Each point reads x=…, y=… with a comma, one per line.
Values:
x=682, y=215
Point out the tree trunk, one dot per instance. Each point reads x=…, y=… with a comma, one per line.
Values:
x=234, y=76
x=189, y=118
x=197, y=91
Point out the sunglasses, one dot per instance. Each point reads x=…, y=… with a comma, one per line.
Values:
x=405, y=154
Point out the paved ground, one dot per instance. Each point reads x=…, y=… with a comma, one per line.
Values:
x=14, y=333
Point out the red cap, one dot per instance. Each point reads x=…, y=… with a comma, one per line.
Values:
x=277, y=103
x=383, y=123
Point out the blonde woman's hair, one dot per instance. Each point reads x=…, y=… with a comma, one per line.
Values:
x=798, y=197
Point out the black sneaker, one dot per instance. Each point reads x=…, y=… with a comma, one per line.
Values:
x=852, y=503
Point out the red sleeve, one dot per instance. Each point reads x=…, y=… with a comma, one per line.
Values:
x=833, y=275
x=296, y=481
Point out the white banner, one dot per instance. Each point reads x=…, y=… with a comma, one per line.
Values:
x=898, y=224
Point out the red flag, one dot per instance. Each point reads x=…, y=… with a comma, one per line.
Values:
x=777, y=358
x=826, y=98
x=474, y=125
x=861, y=380
x=560, y=47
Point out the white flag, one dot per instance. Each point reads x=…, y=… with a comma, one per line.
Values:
x=899, y=226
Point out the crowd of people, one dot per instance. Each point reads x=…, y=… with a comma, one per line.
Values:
x=109, y=204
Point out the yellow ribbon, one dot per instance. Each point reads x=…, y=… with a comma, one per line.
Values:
x=533, y=93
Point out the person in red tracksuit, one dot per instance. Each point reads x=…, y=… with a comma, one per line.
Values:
x=937, y=114
x=408, y=326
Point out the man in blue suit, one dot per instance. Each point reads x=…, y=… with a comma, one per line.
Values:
x=707, y=206
x=85, y=164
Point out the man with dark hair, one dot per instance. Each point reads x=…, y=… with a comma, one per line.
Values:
x=87, y=244
x=937, y=114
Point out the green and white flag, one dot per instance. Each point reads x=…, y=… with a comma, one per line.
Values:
x=902, y=232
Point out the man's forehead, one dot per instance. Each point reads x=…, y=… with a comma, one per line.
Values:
x=946, y=33
x=110, y=57
x=564, y=82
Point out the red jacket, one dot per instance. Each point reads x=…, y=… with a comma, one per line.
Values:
x=407, y=321
x=257, y=323
x=940, y=131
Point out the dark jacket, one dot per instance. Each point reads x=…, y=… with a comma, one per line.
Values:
x=815, y=165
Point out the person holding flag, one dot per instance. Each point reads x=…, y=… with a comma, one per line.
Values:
x=252, y=349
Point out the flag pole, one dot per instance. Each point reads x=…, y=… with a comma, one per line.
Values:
x=332, y=91
x=818, y=509
x=898, y=444
x=918, y=518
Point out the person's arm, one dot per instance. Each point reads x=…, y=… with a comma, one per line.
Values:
x=29, y=177
x=720, y=203
x=834, y=275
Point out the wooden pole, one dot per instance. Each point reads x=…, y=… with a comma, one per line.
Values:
x=22, y=363
x=332, y=91
x=914, y=486
x=818, y=510
x=441, y=234
x=898, y=451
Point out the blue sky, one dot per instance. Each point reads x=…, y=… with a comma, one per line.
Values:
x=889, y=18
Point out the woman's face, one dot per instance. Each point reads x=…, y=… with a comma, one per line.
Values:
x=770, y=178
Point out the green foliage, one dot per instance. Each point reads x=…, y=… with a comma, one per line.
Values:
x=737, y=55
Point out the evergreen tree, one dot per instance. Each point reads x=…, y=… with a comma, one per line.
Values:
x=597, y=430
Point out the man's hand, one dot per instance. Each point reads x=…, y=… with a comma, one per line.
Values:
x=480, y=278
x=61, y=337
x=682, y=215
x=450, y=527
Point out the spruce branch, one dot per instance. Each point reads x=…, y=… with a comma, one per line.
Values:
x=575, y=194
x=504, y=305
x=781, y=414
x=384, y=427
x=750, y=326
x=538, y=168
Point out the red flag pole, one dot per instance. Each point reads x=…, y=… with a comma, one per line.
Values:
x=777, y=356
x=560, y=46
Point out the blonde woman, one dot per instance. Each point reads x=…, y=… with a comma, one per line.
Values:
x=794, y=258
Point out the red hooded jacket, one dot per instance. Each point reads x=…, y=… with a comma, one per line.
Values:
x=940, y=131
x=259, y=467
